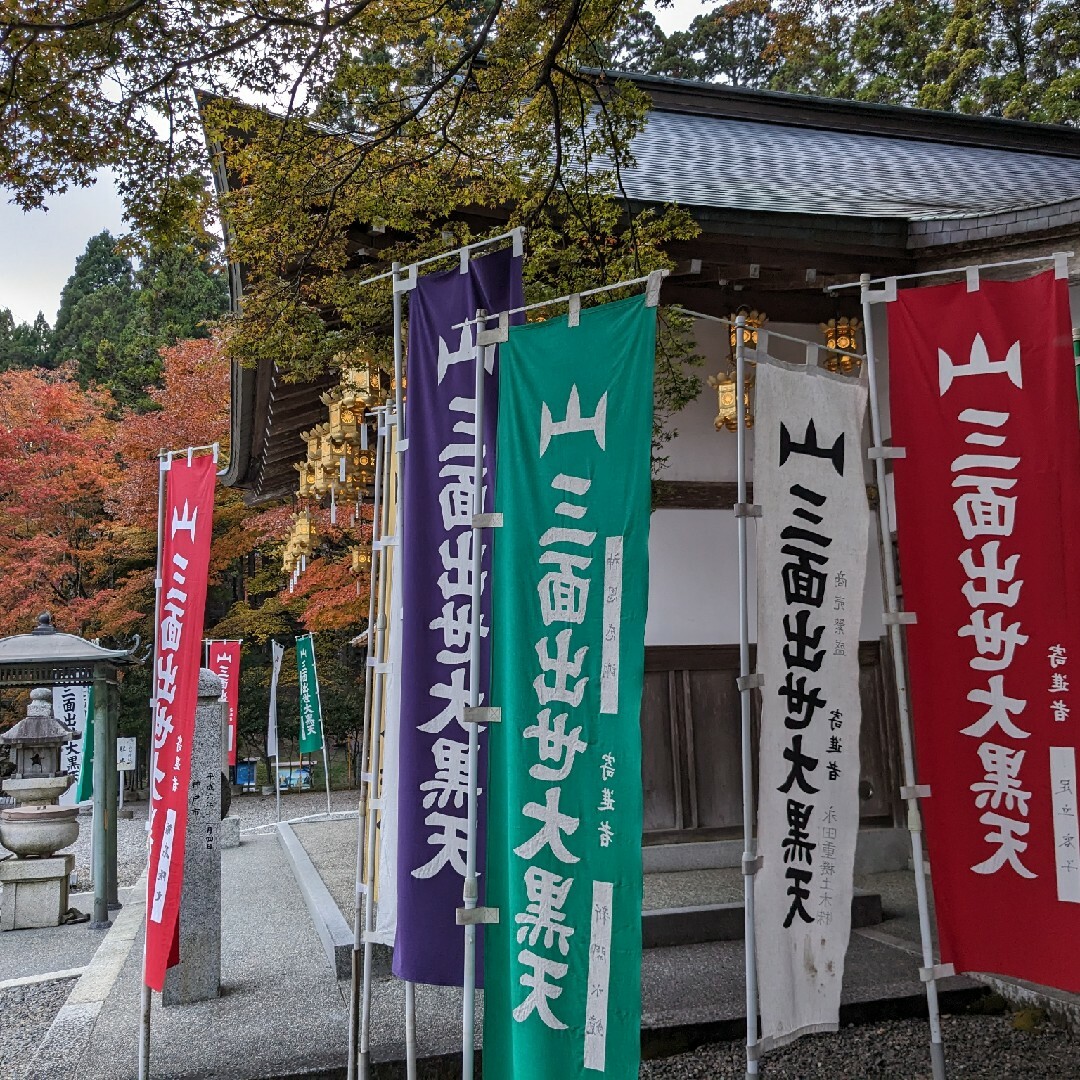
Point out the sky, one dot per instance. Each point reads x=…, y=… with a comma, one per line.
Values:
x=38, y=249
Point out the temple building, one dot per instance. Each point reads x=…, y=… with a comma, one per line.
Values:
x=793, y=194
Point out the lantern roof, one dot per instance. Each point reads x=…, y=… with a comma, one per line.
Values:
x=46, y=656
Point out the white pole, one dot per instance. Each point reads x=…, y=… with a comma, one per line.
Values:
x=469, y=889
x=400, y=445
x=410, y=1031
x=914, y=817
x=376, y=764
x=749, y=859
x=164, y=461
x=365, y=786
x=277, y=780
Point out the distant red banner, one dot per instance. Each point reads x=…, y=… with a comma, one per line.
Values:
x=185, y=558
x=225, y=664
x=988, y=514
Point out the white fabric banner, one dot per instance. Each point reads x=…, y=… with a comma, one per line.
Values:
x=69, y=707
x=277, y=651
x=811, y=556
x=386, y=906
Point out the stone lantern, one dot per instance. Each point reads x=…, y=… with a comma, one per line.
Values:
x=36, y=881
x=46, y=657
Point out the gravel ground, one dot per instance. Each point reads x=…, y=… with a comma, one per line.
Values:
x=253, y=810
x=976, y=1048
x=27, y=1012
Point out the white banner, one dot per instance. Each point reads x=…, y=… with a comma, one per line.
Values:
x=386, y=905
x=277, y=652
x=811, y=556
x=69, y=707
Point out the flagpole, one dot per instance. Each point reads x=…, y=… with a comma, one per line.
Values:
x=164, y=461
x=894, y=618
x=469, y=888
x=746, y=683
x=378, y=683
x=322, y=722
x=401, y=444
x=358, y=908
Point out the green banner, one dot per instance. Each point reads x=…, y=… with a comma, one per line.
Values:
x=310, y=706
x=84, y=785
x=570, y=589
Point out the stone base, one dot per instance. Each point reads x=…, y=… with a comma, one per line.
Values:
x=35, y=892
x=229, y=832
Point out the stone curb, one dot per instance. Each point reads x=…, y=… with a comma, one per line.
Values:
x=334, y=932
x=69, y=1034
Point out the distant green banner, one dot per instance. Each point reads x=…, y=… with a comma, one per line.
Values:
x=84, y=786
x=311, y=736
x=570, y=589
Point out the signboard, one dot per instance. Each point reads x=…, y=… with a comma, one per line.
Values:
x=811, y=564
x=988, y=506
x=125, y=755
x=570, y=589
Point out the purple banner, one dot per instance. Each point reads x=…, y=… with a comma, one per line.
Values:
x=437, y=583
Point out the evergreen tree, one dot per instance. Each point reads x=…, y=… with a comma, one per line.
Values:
x=114, y=319
x=24, y=345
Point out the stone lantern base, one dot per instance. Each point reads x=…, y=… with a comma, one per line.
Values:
x=35, y=892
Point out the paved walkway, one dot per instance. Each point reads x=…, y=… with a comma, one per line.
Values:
x=282, y=1012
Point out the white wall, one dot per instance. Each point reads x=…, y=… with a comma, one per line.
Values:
x=694, y=580
x=693, y=587
x=693, y=554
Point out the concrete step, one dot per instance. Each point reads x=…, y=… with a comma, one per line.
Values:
x=662, y=927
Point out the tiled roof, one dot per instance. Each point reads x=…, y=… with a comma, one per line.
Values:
x=738, y=164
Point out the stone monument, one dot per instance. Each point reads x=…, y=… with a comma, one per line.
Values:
x=198, y=975
x=35, y=882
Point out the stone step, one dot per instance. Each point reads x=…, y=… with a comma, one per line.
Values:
x=662, y=927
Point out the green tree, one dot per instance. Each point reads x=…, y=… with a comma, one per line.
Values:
x=114, y=319
x=24, y=345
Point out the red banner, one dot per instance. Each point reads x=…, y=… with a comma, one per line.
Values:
x=988, y=514
x=185, y=558
x=225, y=664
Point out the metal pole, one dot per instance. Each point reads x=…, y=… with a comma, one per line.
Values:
x=112, y=777
x=400, y=446
x=277, y=781
x=322, y=721
x=469, y=889
x=914, y=817
x=358, y=911
x=375, y=762
x=164, y=461
x=410, y=1031
x=101, y=805
x=749, y=859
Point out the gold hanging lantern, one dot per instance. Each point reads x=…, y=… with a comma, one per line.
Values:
x=841, y=333
x=361, y=559
x=755, y=320
x=727, y=416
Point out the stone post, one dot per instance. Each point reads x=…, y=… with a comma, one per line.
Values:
x=198, y=975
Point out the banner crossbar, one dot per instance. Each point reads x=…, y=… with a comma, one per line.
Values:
x=652, y=280
x=516, y=234
x=1053, y=257
x=758, y=355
